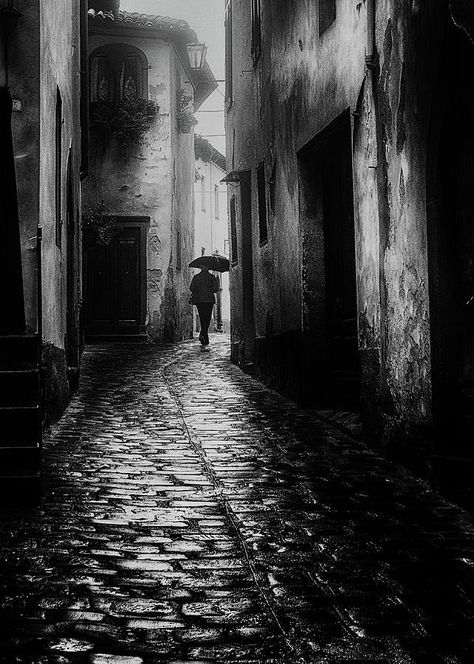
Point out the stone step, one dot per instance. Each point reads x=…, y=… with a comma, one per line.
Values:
x=19, y=387
x=20, y=461
x=20, y=426
x=19, y=351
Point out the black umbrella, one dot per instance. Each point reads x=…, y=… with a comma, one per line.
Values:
x=11, y=278
x=215, y=263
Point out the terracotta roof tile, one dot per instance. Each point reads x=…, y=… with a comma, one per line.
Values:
x=147, y=21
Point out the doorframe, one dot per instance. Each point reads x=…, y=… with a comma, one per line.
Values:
x=318, y=336
x=134, y=221
x=144, y=223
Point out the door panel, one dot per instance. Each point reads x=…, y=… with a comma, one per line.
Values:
x=115, y=274
x=128, y=292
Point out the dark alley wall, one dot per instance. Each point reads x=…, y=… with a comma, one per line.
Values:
x=341, y=283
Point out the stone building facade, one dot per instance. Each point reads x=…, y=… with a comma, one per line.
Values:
x=349, y=150
x=138, y=283
x=41, y=68
x=211, y=234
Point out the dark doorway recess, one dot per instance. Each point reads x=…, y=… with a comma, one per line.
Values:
x=72, y=327
x=247, y=267
x=450, y=209
x=116, y=281
x=329, y=276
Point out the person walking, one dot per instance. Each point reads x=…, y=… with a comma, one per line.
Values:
x=203, y=286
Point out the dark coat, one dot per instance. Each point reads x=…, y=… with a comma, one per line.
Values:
x=203, y=286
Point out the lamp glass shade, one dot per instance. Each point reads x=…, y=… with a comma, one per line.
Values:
x=196, y=55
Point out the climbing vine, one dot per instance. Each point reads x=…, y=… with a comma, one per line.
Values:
x=98, y=226
x=186, y=119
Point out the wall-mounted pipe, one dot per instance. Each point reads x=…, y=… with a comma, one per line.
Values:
x=370, y=54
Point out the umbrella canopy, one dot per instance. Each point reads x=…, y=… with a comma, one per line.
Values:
x=215, y=263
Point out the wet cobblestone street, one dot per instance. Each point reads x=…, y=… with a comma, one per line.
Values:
x=191, y=515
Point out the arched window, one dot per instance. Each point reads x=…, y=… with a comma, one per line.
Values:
x=118, y=72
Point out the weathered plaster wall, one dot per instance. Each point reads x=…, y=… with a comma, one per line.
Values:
x=240, y=132
x=153, y=179
x=301, y=83
x=179, y=274
x=408, y=39
x=24, y=84
x=60, y=69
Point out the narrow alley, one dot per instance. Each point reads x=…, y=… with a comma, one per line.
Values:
x=192, y=515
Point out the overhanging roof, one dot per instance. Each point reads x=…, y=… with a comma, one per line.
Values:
x=133, y=24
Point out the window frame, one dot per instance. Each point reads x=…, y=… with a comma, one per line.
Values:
x=234, y=255
x=262, y=204
x=256, y=19
x=115, y=58
x=178, y=250
x=216, y=201
x=203, y=194
x=58, y=167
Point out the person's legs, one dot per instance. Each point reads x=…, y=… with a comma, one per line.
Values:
x=205, y=312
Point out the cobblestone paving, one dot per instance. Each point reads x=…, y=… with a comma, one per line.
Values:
x=190, y=515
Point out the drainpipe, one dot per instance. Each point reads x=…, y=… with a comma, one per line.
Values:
x=370, y=55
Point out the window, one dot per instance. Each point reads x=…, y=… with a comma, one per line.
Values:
x=178, y=250
x=228, y=52
x=203, y=193
x=262, y=204
x=233, y=232
x=118, y=72
x=272, y=183
x=216, y=201
x=58, y=165
x=256, y=30
x=327, y=14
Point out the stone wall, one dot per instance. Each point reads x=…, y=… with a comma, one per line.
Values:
x=24, y=84
x=44, y=56
x=287, y=101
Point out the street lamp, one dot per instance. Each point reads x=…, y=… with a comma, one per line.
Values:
x=197, y=55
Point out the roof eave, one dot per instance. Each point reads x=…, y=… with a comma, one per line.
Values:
x=204, y=83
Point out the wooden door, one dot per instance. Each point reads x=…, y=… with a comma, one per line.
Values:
x=115, y=284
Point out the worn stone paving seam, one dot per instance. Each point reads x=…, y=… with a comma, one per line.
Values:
x=220, y=489
x=343, y=614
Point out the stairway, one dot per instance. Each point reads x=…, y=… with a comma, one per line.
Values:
x=20, y=417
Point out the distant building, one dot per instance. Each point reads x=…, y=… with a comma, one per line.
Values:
x=42, y=65
x=210, y=227
x=349, y=146
x=140, y=76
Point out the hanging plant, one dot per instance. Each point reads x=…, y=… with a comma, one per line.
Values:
x=127, y=121
x=186, y=119
x=98, y=226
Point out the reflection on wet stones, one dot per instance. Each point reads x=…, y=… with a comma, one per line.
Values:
x=263, y=536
